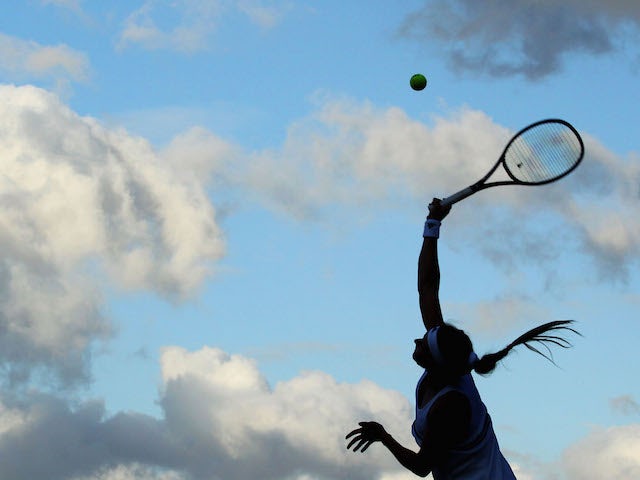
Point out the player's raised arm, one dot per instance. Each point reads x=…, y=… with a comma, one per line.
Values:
x=428, y=268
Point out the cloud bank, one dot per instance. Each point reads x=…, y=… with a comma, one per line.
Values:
x=222, y=420
x=83, y=207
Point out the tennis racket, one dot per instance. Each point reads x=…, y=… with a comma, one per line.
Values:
x=541, y=153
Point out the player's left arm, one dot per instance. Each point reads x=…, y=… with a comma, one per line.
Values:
x=448, y=425
x=371, y=432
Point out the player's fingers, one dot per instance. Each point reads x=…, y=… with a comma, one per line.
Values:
x=360, y=445
x=353, y=432
x=355, y=440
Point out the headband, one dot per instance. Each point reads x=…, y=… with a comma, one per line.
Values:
x=432, y=341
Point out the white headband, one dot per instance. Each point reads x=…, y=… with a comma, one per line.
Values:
x=432, y=341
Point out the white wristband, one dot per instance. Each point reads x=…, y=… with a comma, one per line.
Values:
x=431, y=228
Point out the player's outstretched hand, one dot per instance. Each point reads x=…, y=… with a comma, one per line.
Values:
x=437, y=211
x=363, y=437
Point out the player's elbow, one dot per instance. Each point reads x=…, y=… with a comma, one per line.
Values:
x=421, y=472
x=423, y=463
x=421, y=467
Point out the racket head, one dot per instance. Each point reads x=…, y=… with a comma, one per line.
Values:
x=543, y=152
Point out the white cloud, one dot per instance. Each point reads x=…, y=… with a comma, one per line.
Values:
x=258, y=431
x=79, y=200
x=612, y=452
x=520, y=37
x=24, y=59
x=353, y=155
x=189, y=25
x=606, y=187
x=198, y=153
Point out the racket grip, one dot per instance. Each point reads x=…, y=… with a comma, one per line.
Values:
x=456, y=197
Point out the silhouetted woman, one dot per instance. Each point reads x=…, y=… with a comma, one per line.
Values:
x=452, y=426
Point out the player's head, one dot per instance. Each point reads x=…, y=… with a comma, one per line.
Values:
x=446, y=349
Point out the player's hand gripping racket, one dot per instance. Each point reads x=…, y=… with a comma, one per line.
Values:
x=541, y=153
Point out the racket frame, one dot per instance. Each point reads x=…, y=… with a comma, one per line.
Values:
x=481, y=184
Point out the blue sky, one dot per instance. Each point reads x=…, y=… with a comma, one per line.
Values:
x=211, y=213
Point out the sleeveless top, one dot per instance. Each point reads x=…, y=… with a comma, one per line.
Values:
x=478, y=457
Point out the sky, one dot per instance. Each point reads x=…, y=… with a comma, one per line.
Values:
x=211, y=213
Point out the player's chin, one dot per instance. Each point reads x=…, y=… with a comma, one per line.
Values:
x=419, y=359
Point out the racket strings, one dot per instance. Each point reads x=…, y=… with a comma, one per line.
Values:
x=543, y=153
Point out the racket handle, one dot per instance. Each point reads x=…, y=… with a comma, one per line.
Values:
x=456, y=197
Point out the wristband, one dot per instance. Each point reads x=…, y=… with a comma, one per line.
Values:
x=431, y=228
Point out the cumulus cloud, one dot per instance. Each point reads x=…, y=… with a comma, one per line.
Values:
x=24, y=59
x=612, y=452
x=521, y=37
x=607, y=186
x=298, y=426
x=188, y=25
x=349, y=155
x=221, y=420
x=81, y=206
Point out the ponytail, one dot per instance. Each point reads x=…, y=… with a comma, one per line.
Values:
x=488, y=362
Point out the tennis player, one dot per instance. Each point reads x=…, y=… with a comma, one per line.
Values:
x=452, y=426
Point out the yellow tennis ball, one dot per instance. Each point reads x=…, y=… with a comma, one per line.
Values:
x=418, y=81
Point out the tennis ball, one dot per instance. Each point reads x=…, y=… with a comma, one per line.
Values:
x=418, y=81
